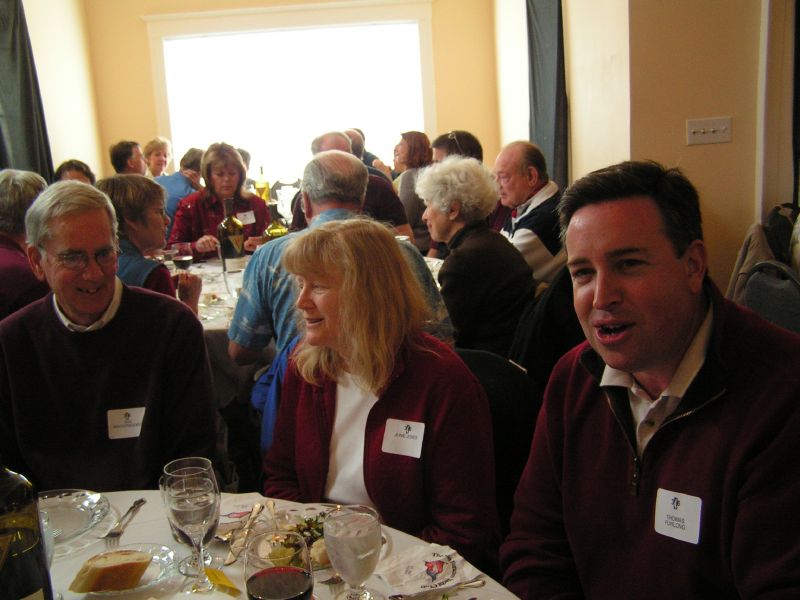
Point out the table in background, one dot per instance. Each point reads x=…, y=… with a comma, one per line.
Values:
x=150, y=527
x=232, y=384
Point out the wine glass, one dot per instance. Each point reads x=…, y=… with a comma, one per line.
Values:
x=277, y=566
x=185, y=467
x=193, y=500
x=353, y=541
x=182, y=257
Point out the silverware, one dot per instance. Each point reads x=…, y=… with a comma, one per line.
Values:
x=239, y=537
x=112, y=537
x=478, y=582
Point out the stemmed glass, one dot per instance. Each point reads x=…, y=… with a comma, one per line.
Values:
x=277, y=566
x=184, y=467
x=193, y=502
x=353, y=541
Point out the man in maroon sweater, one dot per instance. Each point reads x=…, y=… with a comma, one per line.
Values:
x=662, y=463
x=100, y=384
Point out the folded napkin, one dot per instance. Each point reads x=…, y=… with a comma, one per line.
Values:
x=425, y=569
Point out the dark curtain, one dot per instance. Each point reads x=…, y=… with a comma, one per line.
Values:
x=796, y=115
x=23, y=135
x=548, y=95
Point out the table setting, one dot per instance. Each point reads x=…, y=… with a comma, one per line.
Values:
x=252, y=547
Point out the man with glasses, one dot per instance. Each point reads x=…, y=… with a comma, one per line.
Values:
x=526, y=189
x=100, y=384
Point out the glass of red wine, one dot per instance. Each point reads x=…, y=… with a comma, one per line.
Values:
x=277, y=566
x=182, y=256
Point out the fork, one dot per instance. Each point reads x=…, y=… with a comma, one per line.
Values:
x=112, y=537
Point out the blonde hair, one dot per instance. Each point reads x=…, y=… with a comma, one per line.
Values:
x=157, y=143
x=381, y=304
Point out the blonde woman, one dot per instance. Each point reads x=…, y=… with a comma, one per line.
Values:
x=157, y=154
x=374, y=411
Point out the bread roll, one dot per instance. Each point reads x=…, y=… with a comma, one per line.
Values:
x=118, y=570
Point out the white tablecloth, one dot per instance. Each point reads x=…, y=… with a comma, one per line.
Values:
x=150, y=526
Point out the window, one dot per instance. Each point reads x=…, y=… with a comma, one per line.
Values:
x=273, y=90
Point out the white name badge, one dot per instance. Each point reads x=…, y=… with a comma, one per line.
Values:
x=125, y=422
x=678, y=516
x=246, y=217
x=403, y=437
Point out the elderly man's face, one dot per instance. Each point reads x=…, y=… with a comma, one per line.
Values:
x=638, y=304
x=517, y=184
x=83, y=293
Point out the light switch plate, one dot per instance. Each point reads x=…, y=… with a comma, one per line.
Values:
x=708, y=131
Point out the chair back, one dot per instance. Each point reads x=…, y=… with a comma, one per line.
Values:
x=547, y=329
x=772, y=290
x=514, y=401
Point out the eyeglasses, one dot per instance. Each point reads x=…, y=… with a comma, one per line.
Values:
x=452, y=136
x=78, y=261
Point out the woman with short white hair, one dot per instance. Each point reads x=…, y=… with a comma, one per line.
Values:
x=485, y=281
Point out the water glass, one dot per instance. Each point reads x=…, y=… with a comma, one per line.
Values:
x=353, y=541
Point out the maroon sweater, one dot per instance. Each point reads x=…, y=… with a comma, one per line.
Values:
x=58, y=386
x=445, y=496
x=584, y=518
x=18, y=285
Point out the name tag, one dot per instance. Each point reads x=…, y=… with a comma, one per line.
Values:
x=246, y=218
x=125, y=422
x=403, y=437
x=678, y=516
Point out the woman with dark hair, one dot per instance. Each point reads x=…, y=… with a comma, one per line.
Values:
x=200, y=214
x=74, y=169
x=412, y=153
x=458, y=142
x=139, y=204
x=373, y=410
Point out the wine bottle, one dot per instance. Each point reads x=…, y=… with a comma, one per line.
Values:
x=231, y=240
x=262, y=185
x=23, y=565
x=277, y=224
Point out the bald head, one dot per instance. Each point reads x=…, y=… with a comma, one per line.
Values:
x=333, y=179
x=333, y=140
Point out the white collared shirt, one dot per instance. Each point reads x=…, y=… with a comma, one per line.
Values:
x=550, y=188
x=649, y=414
x=104, y=319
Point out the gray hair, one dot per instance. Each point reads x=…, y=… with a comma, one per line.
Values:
x=458, y=178
x=18, y=189
x=319, y=141
x=61, y=199
x=335, y=175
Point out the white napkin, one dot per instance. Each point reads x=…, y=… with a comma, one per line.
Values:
x=425, y=569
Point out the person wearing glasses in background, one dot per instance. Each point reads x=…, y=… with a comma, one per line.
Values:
x=101, y=384
x=532, y=226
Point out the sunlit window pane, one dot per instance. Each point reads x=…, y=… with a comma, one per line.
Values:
x=271, y=92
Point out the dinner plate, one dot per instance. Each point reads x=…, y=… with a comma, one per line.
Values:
x=161, y=568
x=73, y=512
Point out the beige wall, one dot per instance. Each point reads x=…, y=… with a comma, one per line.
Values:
x=60, y=50
x=598, y=82
x=694, y=59
x=637, y=69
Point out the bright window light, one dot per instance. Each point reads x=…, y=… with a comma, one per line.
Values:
x=272, y=92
